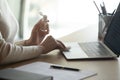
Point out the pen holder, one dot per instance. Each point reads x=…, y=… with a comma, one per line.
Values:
x=104, y=21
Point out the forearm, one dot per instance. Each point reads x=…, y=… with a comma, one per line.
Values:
x=12, y=53
x=20, y=43
x=23, y=43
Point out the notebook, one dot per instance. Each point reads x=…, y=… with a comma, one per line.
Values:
x=13, y=74
x=108, y=48
x=57, y=73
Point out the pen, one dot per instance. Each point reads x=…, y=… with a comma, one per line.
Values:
x=44, y=17
x=96, y=7
x=113, y=12
x=64, y=68
x=104, y=8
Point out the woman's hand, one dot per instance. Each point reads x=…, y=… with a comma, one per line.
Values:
x=39, y=31
x=49, y=44
x=61, y=46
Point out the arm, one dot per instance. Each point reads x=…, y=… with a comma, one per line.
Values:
x=10, y=53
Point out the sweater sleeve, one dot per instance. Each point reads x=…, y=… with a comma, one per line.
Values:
x=10, y=53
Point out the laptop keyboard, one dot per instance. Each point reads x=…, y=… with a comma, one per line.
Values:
x=94, y=49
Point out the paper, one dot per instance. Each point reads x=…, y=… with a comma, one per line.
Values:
x=58, y=74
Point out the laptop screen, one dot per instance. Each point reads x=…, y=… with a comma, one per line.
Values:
x=112, y=38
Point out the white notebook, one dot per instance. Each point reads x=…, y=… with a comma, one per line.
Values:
x=58, y=74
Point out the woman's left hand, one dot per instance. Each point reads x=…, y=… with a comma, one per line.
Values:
x=39, y=31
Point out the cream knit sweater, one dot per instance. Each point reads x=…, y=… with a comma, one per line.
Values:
x=10, y=52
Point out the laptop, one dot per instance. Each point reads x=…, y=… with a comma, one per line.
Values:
x=108, y=48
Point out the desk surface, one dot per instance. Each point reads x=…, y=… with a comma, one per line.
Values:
x=106, y=69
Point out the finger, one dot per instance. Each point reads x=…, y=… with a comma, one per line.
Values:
x=42, y=33
x=46, y=20
x=39, y=23
x=62, y=46
x=49, y=43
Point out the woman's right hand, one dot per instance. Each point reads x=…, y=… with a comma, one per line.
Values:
x=50, y=44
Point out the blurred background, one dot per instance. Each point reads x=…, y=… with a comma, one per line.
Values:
x=65, y=16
